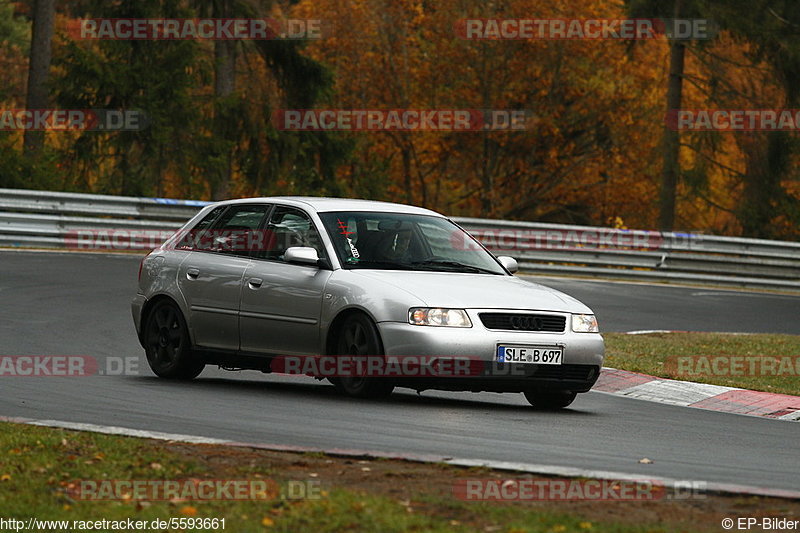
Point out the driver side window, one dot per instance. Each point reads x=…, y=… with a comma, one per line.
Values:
x=289, y=227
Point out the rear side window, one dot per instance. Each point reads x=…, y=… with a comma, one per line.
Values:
x=237, y=230
x=195, y=235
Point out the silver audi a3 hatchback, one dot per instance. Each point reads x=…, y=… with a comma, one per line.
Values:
x=369, y=295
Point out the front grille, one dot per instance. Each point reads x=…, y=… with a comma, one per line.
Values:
x=566, y=372
x=524, y=322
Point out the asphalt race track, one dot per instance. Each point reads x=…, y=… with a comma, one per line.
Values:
x=78, y=304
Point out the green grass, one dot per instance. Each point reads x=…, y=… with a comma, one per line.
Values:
x=656, y=354
x=39, y=465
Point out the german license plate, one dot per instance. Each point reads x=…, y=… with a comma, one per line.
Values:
x=540, y=355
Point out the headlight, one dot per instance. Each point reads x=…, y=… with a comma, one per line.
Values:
x=436, y=316
x=584, y=324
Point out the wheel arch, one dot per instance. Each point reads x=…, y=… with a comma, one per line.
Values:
x=148, y=307
x=334, y=328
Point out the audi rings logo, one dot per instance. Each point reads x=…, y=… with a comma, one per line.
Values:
x=530, y=323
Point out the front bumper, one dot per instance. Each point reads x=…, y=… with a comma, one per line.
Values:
x=582, y=360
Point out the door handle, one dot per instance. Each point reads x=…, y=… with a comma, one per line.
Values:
x=192, y=273
x=255, y=283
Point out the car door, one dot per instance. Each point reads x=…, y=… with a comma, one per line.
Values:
x=210, y=278
x=281, y=302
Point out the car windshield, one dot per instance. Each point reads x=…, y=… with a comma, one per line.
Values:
x=396, y=241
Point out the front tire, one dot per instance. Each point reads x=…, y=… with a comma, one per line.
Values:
x=359, y=337
x=167, y=344
x=550, y=400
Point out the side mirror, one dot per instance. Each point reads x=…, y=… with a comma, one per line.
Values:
x=509, y=263
x=301, y=254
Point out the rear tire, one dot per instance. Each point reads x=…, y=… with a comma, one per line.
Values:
x=359, y=337
x=550, y=400
x=167, y=345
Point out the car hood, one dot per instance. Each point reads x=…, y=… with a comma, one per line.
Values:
x=476, y=291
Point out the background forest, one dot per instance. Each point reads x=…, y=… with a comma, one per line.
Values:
x=599, y=152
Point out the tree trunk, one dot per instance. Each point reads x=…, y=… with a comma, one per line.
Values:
x=405, y=154
x=487, y=181
x=38, y=69
x=224, y=68
x=224, y=86
x=767, y=161
x=671, y=169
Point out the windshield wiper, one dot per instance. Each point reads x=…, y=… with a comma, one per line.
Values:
x=384, y=265
x=454, y=265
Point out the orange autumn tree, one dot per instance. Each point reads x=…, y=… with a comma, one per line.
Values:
x=728, y=74
x=588, y=154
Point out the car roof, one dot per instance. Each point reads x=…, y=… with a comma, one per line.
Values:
x=324, y=204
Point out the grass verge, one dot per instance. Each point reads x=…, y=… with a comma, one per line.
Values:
x=764, y=362
x=39, y=467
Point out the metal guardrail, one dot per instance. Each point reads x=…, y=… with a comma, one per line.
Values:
x=40, y=219
x=638, y=254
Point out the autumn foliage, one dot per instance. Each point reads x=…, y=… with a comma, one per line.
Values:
x=590, y=155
